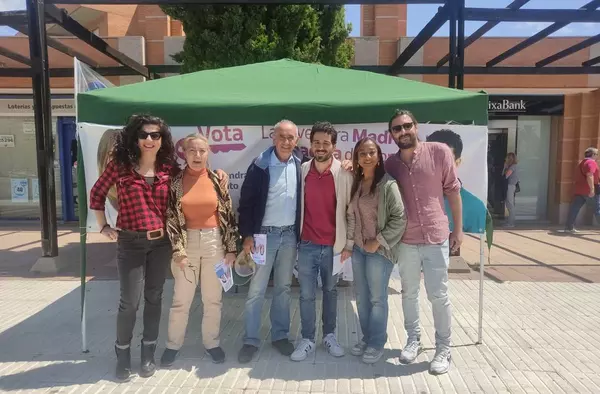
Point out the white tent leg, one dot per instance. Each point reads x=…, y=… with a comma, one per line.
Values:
x=481, y=271
x=84, y=348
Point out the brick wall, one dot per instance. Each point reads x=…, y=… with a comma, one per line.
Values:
x=580, y=130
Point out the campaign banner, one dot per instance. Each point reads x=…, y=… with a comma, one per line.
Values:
x=234, y=147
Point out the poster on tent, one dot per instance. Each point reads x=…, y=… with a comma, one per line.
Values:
x=234, y=147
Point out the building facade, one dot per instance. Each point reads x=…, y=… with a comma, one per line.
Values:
x=547, y=120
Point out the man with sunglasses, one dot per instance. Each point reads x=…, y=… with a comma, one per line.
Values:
x=426, y=173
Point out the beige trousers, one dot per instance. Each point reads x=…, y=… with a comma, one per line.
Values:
x=204, y=250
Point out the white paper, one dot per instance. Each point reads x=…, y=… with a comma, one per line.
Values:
x=29, y=127
x=7, y=141
x=19, y=190
x=338, y=264
x=259, y=252
x=224, y=274
x=35, y=190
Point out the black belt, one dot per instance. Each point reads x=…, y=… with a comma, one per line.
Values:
x=151, y=235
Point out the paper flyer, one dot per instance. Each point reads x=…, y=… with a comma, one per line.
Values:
x=19, y=190
x=338, y=264
x=223, y=272
x=259, y=252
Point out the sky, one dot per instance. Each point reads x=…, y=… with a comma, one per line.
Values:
x=419, y=15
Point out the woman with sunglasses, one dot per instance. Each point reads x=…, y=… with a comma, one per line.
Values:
x=376, y=223
x=142, y=166
x=202, y=227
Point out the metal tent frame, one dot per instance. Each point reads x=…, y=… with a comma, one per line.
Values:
x=32, y=23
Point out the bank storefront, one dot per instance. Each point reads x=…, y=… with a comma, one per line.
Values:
x=19, y=191
x=527, y=125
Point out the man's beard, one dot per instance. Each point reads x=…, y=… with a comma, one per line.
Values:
x=407, y=145
x=323, y=158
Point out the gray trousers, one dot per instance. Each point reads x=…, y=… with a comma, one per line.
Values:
x=510, y=203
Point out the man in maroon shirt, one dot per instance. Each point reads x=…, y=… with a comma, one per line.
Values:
x=587, y=177
x=324, y=201
x=426, y=173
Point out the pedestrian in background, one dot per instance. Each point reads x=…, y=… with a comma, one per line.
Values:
x=587, y=186
x=511, y=177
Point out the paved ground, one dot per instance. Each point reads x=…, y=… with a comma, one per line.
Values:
x=538, y=337
x=540, y=327
x=521, y=254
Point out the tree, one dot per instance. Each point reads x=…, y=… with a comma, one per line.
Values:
x=232, y=35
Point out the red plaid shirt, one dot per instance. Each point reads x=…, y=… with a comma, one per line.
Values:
x=142, y=207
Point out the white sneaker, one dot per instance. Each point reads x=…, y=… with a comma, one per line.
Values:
x=358, y=349
x=332, y=346
x=441, y=362
x=304, y=348
x=410, y=352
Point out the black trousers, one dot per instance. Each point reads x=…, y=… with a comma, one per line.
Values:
x=142, y=266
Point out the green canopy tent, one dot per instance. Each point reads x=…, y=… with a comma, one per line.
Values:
x=264, y=93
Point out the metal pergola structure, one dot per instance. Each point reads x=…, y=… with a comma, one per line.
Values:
x=32, y=23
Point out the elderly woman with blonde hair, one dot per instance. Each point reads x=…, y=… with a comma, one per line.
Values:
x=203, y=231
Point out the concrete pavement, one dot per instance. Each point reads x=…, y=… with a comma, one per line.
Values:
x=538, y=338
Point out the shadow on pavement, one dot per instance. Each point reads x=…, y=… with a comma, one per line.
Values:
x=44, y=350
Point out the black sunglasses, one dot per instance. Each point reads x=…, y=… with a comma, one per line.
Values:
x=155, y=136
x=405, y=126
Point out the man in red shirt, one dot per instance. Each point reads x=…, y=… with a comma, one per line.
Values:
x=587, y=178
x=324, y=201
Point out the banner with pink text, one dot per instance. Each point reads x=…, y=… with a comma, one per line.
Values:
x=234, y=147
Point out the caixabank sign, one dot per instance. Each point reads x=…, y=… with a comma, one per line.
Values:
x=526, y=105
x=507, y=105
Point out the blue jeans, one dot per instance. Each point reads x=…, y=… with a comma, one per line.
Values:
x=576, y=205
x=371, y=273
x=281, y=256
x=433, y=260
x=313, y=258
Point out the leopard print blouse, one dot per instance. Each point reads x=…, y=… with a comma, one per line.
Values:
x=176, y=228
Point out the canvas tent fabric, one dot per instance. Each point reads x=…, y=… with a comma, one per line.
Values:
x=264, y=93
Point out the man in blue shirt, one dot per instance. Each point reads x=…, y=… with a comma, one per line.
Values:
x=474, y=210
x=269, y=204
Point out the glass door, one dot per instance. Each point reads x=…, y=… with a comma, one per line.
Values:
x=533, y=151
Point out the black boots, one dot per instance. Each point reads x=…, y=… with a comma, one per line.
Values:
x=123, y=371
x=148, y=365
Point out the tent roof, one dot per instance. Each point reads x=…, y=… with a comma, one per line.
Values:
x=264, y=93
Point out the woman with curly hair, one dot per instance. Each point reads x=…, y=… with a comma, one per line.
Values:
x=142, y=166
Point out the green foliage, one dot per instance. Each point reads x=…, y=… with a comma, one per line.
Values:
x=232, y=35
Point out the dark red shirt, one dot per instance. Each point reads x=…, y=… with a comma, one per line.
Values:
x=585, y=167
x=142, y=207
x=319, y=207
